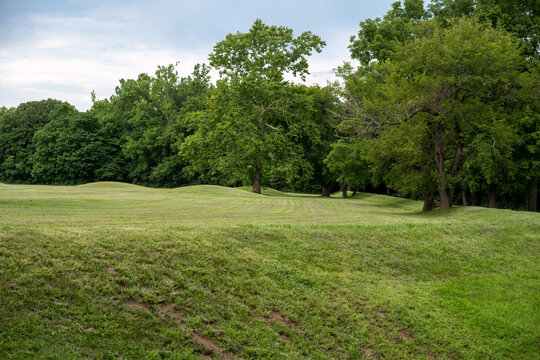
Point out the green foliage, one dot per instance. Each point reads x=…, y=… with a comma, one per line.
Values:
x=315, y=133
x=146, y=122
x=265, y=53
x=17, y=128
x=377, y=38
x=443, y=10
x=527, y=151
x=68, y=148
x=519, y=17
x=346, y=162
x=228, y=142
x=402, y=159
x=148, y=145
x=111, y=133
x=513, y=169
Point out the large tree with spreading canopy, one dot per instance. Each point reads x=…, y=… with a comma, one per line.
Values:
x=251, y=123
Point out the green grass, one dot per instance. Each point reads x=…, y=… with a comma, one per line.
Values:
x=118, y=271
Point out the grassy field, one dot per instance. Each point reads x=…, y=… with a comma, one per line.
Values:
x=117, y=271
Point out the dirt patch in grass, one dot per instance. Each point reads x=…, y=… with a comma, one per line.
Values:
x=168, y=309
x=280, y=319
x=370, y=353
x=284, y=338
x=136, y=305
x=430, y=355
x=111, y=271
x=146, y=289
x=404, y=335
x=211, y=346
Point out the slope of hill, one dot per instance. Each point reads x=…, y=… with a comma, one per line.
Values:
x=113, y=271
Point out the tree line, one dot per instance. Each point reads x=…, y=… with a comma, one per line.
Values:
x=443, y=106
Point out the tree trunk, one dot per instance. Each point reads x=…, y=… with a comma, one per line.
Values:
x=257, y=181
x=465, y=197
x=429, y=202
x=325, y=190
x=493, y=196
x=445, y=202
x=344, y=193
x=388, y=191
x=477, y=198
x=354, y=192
x=533, y=195
x=451, y=194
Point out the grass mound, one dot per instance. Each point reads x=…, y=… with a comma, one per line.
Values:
x=110, y=185
x=267, y=191
x=208, y=271
x=214, y=190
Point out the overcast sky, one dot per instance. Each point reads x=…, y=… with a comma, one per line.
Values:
x=65, y=49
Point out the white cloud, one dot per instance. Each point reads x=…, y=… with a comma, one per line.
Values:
x=67, y=60
x=66, y=57
x=99, y=72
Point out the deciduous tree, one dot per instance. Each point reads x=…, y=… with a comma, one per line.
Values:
x=252, y=109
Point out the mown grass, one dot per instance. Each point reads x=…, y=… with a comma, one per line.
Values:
x=116, y=271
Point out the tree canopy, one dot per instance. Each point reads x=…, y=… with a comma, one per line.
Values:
x=17, y=128
x=68, y=149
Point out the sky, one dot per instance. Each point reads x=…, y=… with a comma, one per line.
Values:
x=65, y=49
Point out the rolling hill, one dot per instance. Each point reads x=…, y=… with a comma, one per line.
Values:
x=118, y=271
